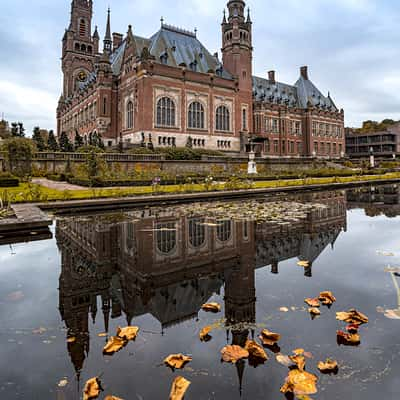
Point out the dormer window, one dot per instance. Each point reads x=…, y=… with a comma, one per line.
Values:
x=164, y=58
x=193, y=66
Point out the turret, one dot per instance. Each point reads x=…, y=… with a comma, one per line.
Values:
x=107, y=49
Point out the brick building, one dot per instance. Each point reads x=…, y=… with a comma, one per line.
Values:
x=169, y=90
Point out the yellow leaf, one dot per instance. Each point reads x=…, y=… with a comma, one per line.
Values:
x=112, y=398
x=304, y=264
x=92, y=389
x=127, y=333
x=312, y=302
x=205, y=334
x=352, y=317
x=328, y=366
x=179, y=388
x=269, y=338
x=256, y=351
x=314, y=311
x=234, y=353
x=348, y=339
x=114, y=345
x=177, y=361
x=71, y=340
x=211, y=307
x=300, y=383
x=299, y=360
x=327, y=298
x=102, y=334
x=284, y=309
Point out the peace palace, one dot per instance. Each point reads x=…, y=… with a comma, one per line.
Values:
x=169, y=90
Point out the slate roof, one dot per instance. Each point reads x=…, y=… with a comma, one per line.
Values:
x=299, y=95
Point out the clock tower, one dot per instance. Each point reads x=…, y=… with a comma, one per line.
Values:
x=79, y=47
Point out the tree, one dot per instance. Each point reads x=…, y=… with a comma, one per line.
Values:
x=95, y=140
x=17, y=129
x=19, y=152
x=65, y=144
x=52, y=142
x=38, y=139
x=78, y=142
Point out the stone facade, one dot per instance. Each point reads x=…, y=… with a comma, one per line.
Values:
x=169, y=90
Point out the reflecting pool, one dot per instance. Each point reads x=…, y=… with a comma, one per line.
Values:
x=61, y=298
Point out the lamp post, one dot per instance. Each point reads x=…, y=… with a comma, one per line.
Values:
x=371, y=157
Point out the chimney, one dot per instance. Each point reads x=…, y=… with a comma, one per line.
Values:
x=304, y=72
x=271, y=76
x=117, y=40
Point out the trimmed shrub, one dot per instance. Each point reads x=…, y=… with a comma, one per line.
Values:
x=8, y=180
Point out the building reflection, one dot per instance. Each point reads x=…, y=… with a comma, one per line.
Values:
x=376, y=200
x=167, y=264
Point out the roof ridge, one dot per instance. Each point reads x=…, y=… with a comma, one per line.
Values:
x=176, y=29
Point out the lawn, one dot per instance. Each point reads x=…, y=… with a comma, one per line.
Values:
x=28, y=192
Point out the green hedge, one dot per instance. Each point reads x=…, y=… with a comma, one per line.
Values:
x=8, y=180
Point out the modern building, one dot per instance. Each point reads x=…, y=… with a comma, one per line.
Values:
x=383, y=144
x=169, y=90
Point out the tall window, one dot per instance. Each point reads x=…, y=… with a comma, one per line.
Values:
x=196, y=116
x=104, y=105
x=197, y=232
x=244, y=119
x=82, y=27
x=222, y=119
x=166, y=112
x=166, y=237
x=129, y=115
x=224, y=231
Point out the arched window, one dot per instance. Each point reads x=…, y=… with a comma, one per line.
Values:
x=166, y=237
x=196, y=116
x=222, y=119
x=129, y=115
x=83, y=48
x=89, y=49
x=165, y=112
x=224, y=231
x=197, y=232
x=77, y=47
x=82, y=27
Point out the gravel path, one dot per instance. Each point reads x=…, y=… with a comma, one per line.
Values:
x=57, y=185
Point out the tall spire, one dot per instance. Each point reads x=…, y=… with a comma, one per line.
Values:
x=107, y=37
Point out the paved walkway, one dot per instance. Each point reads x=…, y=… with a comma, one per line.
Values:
x=57, y=185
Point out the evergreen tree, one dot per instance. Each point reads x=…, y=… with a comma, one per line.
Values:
x=21, y=129
x=38, y=139
x=96, y=140
x=14, y=129
x=52, y=142
x=78, y=142
x=17, y=129
x=65, y=144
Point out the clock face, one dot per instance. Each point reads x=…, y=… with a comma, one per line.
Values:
x=82, y=76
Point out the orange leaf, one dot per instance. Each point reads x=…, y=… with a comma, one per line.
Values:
x=312, y=302
x=128, y=333
x=211, y=307
x=179, y=388
x=348, y=339
x=352, y=317
x=92, y=389
x=314, y=311
x=114, y=345
x=177, y=361
x=269, y=338
x=329, y=366
x=205, y=334
x=256, y=351
x=234, y=353
x=300, y=383
x=327, y=298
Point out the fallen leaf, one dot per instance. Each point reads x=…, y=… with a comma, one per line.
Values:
x=63, y=382
x=256, y=351
x=71, y=339
x=102, y=334
x=314, y=311
x=127, y=333
x=112, y=398
x=392, y=314
x=39, y=331
x=352, y=317
x=92, y=389
x=234, y=353
x=348, y=339
x=300, y=383
x=284, y=309
x=269, y=338
x=114, y=345
x=299, y=360
x=312, y=302
x=380, y=310
x=298, y=352
x=304, y=264
x=327, y=298
x=328, y=367
x=284, y=360
x=352, y=328
x=177, y=361
x=211, y=307
x=205, y=334
x=179, y=388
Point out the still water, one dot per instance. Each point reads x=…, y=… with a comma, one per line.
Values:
x=154, y=268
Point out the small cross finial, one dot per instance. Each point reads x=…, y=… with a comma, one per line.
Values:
x=162, y=21
x=195, y=31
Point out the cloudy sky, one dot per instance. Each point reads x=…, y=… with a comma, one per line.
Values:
x=351, y=47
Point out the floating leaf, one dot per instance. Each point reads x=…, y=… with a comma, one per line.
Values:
x=256, y=352
x=327, y=298
x=269, y=338
x=177, y=361
x=39, y=331
x=328, y=367
x=114, y=345
x=103, y=334
x=71, y=339
x=314, y=311
x=300, y=383
x=211, y=307
x=63, y=382
x=127, y=333
x=284, y=309
x=92, y=389
x=352, y=328
x=205, y=333
x=234, y=353
x=179, y=388
x=304, y=264
x=348, y=339
x=312, y=302
x=284, y=360
x=352, y=317
x=392, y=314
x=112, y=398
x=299, y=360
